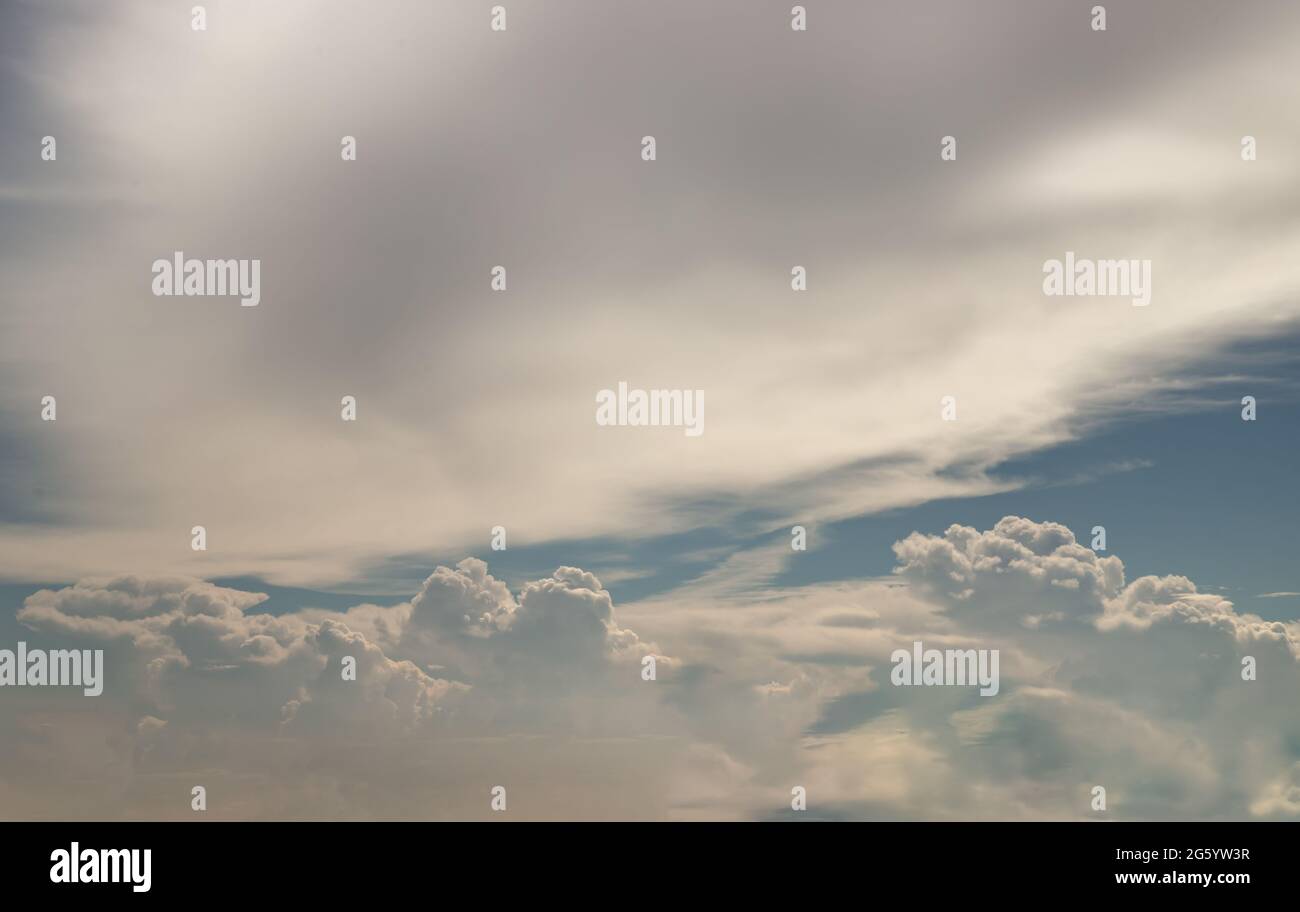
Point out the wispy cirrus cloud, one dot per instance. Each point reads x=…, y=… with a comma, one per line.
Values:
x=182, y=411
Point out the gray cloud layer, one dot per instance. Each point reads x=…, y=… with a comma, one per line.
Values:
x=521, y=148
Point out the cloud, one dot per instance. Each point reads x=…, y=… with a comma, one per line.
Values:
x=1135, y=686
x=192, y=649
x=181, y=411
x=560, y=632
x=1018, y=571
x=243, y=436
x=201, y=679
x=1280, y=797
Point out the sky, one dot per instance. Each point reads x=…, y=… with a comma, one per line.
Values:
x=523, y=667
